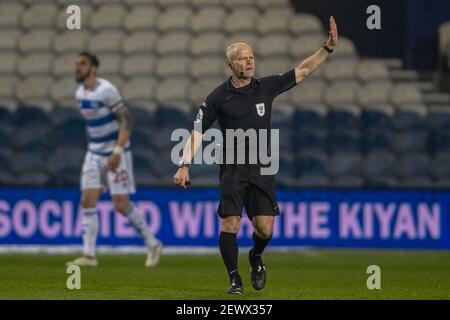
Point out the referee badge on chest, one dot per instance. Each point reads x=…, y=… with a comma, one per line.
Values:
x=260, y=109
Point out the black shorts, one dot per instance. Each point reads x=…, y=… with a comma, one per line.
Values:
x=242, y=186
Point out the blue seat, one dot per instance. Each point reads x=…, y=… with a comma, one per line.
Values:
x=71, y=132
x=344, y=140
x=439, y=166
x=413, y=163
x=437, y=120
x=32, y=138
x=143, y=136
x=416, y=181
x=341, y=119
x=24, y=162
x=439, y=140
x=27, y=115
x=381, y=181
x=413, y=139
x=65, y=158
x=309, y=138
x=60, y=115
x=6, y=117
x=403, y=120
x=374, y=119
x=308, y=118
x=141, y=117
x=345, y=163
x=377, y=163
x=308, y=163
x=376, y=139
x=280, y=119
x=32, y=179
x=165, y=115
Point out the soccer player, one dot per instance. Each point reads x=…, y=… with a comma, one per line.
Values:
x=244, y=102
x=108, y=161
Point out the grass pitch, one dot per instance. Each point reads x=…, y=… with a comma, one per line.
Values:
x=309, y=274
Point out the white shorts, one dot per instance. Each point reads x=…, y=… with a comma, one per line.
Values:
x=95, y=174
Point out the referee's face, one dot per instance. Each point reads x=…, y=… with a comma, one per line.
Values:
x=242, y=62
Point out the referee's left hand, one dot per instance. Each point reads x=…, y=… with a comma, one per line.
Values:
x=333, y=37
x=181, y=178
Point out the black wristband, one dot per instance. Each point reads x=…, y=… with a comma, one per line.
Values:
x=324, y=46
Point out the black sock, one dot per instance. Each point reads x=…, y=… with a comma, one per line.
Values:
x=229, y=250
x=259, y=244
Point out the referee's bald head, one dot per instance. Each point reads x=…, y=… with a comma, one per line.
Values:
x=240, y=60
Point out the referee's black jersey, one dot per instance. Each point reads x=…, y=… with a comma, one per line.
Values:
x=249, y=107
x=244, y=108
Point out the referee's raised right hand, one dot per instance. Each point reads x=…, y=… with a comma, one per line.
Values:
x=181, y=178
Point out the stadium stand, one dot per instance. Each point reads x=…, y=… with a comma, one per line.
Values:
x=356, y=122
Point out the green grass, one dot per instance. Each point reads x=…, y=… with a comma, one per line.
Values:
x=317, y=274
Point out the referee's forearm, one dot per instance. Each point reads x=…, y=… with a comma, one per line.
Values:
x=314, y=61
x=192, y=145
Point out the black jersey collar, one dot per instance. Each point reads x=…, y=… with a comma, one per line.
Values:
x=254, y=83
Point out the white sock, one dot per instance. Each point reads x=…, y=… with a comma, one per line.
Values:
x=90, y=231
x=139, y=223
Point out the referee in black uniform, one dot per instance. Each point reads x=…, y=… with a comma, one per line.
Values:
x=244, y=102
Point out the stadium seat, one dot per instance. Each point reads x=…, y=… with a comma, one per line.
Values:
x=208, y=18
x=376, y=139
x=110, y=64
x=33, y=137
x=65, y=158
x=404, y=93
x=273, y=66
x=63, y=90
x=374, y=94
x=167, y=4
x=266, y=5
x=141, y=17
x=241, y=19
x=273, y=22
x=382, y=181
x=438, y=117
x=9, y=39
x=39, y=16
x=213, y=66
x=238, y=4
x=140, y=42
x=342, y=93
x=201, y=88
x=416, y=181
x=439, y=166
x=302, y=24
x=407, y=120
x=347, y=49
x=369, y=70
x=28, y=162
x=36, y=178
x=139, y=91
x=305, y=45
x=308, y=118
x=39, y=40
x=139, y=65
x=439, y=140
x=61, y=114
x=313, y=180
x=250, y=37
x=344, y=140
x=174, y=18
x=64, y=66
x=378, y=119
x=35, y=64
x=342, y=119
x=410, y=140
x=310, y=138
x=8, y=62
x=71, y=133
x=347, y=181
x=106, y=42
x=173, y=42
x=273, y=45
x=208, y=43
x=10, y=14
x=26, y=116
x=71, y=42
x=412, y=163
x=308, y=93
x=108, y=16
x=337, y=70
x=175, y=65
x=179, y=93
x=378, y=163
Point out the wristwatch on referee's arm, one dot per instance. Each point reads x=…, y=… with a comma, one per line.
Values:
x=183, y=163
x=329, y=50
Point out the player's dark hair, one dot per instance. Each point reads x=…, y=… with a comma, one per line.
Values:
x=92, y=58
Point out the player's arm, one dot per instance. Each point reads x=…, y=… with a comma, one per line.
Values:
x=205, y=118
x=123, y=116
x=313, y=62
